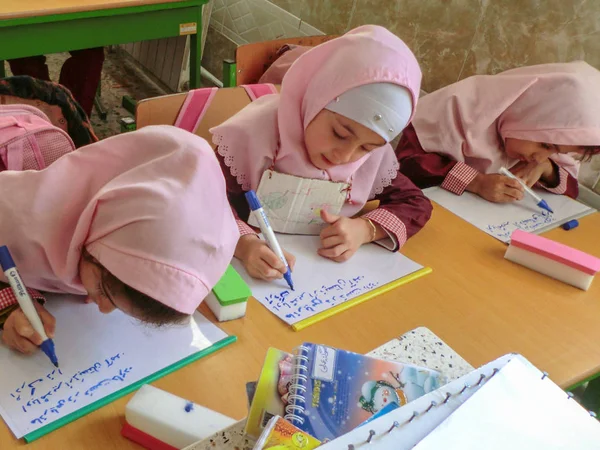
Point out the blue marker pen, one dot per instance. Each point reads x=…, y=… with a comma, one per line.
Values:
x=539, y=200
x=25, y=302
x=267, y=231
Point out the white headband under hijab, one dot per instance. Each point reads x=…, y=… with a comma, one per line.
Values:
x=384, y=108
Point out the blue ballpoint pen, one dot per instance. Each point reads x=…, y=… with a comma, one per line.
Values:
x=269, y=235
x=26, y=302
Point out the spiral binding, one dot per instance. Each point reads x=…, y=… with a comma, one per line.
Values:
x=416, y=414
x=297, y=388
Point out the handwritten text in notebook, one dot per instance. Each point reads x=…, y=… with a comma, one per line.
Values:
x=321, y=283
x=295, y=305
x=504, y=229
x=44, y=397
x=100, y=355
x=501, y=219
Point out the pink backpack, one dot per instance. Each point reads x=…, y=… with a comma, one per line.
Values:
x=28, y=140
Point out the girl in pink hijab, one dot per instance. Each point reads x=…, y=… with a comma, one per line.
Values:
x=319, y=150
x=532, y=120
x=139, y=222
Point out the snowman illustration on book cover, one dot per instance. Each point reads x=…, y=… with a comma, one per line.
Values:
x=377, y=394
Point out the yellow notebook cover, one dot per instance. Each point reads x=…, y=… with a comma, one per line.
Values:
x=360, y=299
x=267, y=402
x=282, y=435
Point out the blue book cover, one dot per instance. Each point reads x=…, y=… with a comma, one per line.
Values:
x=334, y=391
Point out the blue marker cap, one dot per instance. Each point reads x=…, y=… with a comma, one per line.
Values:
x=570, y=225
x=253, y=200
x=6, y=260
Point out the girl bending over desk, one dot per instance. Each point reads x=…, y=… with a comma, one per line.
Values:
x=532, y=120
x=322, y=146
x=139, y=222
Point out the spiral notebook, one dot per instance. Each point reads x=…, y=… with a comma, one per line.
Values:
x=507, y=403
x=333, y=391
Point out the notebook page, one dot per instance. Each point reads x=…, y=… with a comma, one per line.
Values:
x=98, y=354
x=517, y=409
x=501, y=219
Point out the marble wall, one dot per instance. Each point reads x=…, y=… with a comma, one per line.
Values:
x=454, y=39
x=239, y=22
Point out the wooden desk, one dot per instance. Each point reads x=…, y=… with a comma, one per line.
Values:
x=37, y=27
x=480, y=304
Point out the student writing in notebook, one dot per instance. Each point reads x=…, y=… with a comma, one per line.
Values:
x=340, y=105
x=139, y=222
x=532, y=120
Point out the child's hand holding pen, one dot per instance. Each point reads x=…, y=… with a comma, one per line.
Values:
x=18, y=333
x=259, y=260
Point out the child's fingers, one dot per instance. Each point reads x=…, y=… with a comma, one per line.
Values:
x=328, y=231
x=23, y=345
x=344, y=256
x=13, y=327
x=24, y=329
x=514, y=193
x=513, y=184
x=267, y=269
x=269, y=257
x=328, y=217
x=332, y=252
x=47, y=319
x=261, y=270
x=331, y=241
x=291, y=259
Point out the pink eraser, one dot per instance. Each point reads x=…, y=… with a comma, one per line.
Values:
x=553, y=259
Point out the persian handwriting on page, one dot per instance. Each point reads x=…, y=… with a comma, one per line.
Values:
x=501, y=219
x=98, y=354
x=321, y=283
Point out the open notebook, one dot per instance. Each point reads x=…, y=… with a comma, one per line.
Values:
x=501, y=219
x=507, y=403
x=102, y=357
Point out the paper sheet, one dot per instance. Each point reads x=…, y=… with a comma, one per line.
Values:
x=501, y=219
x=321, y=283
x=98, y=355
x=513, y=408
x=516, y=409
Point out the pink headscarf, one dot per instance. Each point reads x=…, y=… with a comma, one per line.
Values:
x=551, y=103
x=150, y=206
x=274, y=124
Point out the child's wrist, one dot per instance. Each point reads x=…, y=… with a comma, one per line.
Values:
x=241, y=249
x=369, y=230
x=475, y=184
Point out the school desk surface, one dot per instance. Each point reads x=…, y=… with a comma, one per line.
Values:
x=37, y=27
x=480, y=304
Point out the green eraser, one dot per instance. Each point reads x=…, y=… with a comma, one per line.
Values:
x=231, y=288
